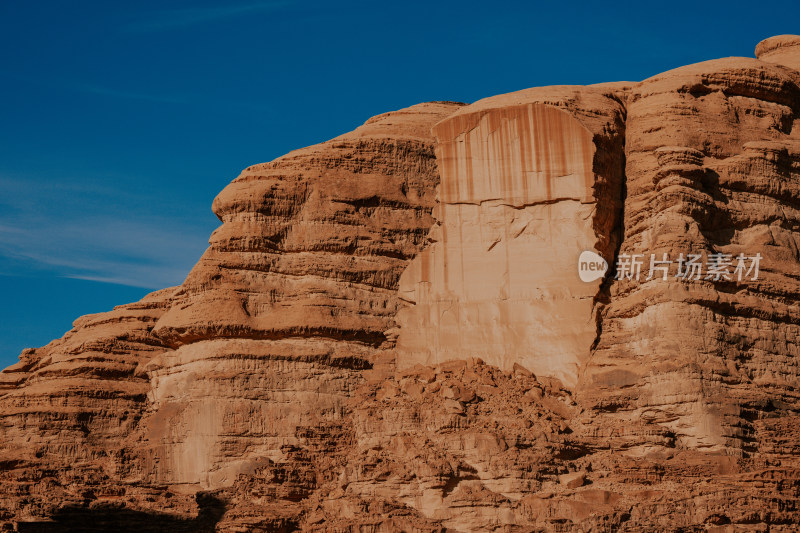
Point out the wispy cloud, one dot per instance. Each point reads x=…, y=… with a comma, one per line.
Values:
x=138, y=254
x=169, y=19
x=101, y=244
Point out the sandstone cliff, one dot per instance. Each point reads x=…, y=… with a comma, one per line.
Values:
x=388, y=331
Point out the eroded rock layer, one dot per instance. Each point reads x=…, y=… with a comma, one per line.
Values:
x=364, y=348
x=295, y=296
x=712, y=167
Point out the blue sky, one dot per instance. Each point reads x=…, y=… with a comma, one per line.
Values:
x=120, y=121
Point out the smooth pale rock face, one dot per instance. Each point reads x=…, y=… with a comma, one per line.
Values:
x=500, y=279
x=225, y=407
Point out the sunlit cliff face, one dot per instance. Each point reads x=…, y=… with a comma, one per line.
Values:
x=517, y=207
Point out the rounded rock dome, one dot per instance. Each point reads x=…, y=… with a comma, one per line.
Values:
x=780, y=49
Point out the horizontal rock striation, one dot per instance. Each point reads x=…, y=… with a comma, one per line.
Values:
x=711, y=168
x=66, y=410
x=294, y=297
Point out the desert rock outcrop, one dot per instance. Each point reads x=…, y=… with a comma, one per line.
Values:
x=388, y=331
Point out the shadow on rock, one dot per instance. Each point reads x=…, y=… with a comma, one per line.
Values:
x=117, y=519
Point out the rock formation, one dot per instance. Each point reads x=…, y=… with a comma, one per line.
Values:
x=525, y=188
x=389, y=333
